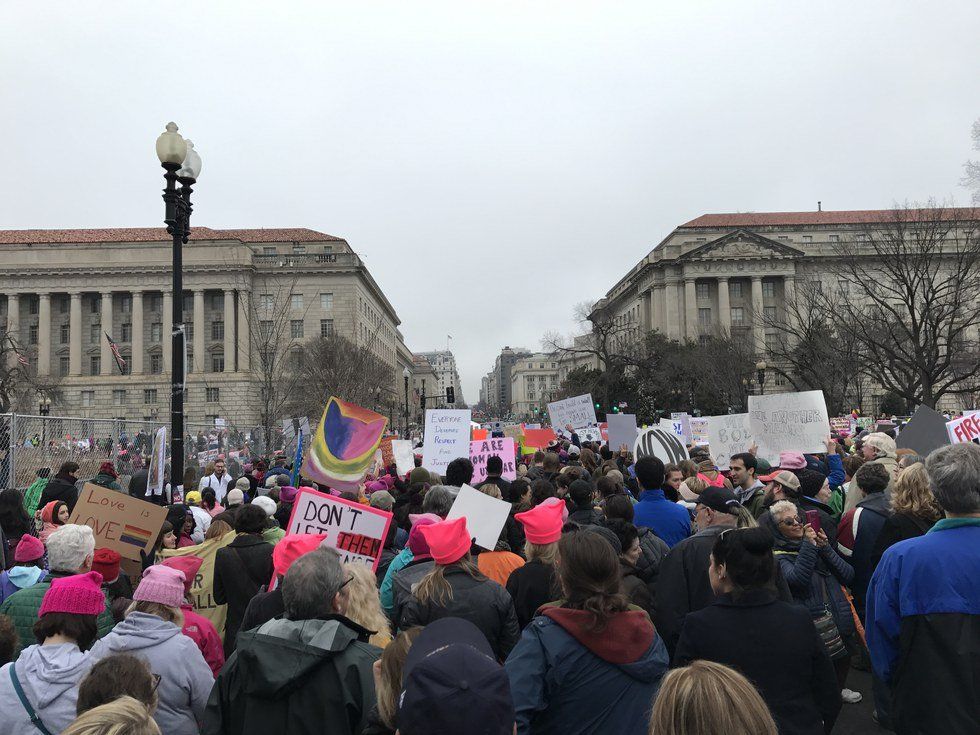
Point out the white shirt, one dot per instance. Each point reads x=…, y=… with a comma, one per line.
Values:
x=218, y=484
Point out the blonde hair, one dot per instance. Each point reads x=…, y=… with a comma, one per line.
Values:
x=434, y=587
x=695, y=485
x=364, y=605
x=389, y=679
x=706, y=698
x=545, y=553
x=217, y=529
x=492, y=490
x=170, y=614
x=911, y=494
x=122, y=716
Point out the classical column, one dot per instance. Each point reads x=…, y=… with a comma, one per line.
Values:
x=13, y=324
x=757, y=312
x=724, y=305
x=229, y=331
x=243, y=331
x=168, y=328
x=199, y=330
x=672, y=310
x=106, y=361
x=137, y=353
x=691, y=308
x=44, y=335
x=656, y=307
x=789, y=290
x=75, y=335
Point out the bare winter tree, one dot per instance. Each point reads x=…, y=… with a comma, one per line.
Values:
x=20, y=385
x=971, y=169
x=911, y=308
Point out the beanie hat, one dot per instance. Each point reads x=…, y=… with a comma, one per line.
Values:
x=163, y=585
x=267, y=504
x=106, y=468
x=292, y=547
x=235, y=497
x=382, y=500
x=189, y=565
x=287, y=494
x=193, y=497
x=448, y=540
x=557, y=501
x=419, y=474
x=243, y=484
x=29, y=548
x=882, y=442
x=811, y=482
x=416, y=541
x=80, y=594
x=106, y=562
x=542, y=524
x=373, y=487
x=791, y=461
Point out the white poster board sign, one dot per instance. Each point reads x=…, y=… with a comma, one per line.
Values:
x=621, y=430
x=404, y=457
x=578, y=411
x=590, y=434
x=699, y=431
x=485, y=516
x=965, y=429
x=158, y=461
x=661, y=443
x=728, y=435
x=680, y=424
x=447, y=436
x=789, y=422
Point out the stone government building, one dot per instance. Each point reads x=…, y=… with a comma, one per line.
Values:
x=63, y=289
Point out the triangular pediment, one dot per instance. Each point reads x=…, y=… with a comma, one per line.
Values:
x=742, y=245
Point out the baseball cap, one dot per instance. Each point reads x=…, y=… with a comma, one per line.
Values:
x=453, y=684
x=784, y=478
x=720, y=499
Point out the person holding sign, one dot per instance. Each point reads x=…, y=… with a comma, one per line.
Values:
x=457, y=588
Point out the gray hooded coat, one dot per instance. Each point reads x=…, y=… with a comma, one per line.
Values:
x=49, y=676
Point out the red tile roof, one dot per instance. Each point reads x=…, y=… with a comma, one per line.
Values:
x=159, y=234
x=847, y=217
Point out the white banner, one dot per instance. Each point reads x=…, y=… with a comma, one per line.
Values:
x=485, y=516
x=158, y=461
x=447, y=436
x=728, y=435
x=789, y=422
x=404, y=457
x=578, y=411
x=621, y=429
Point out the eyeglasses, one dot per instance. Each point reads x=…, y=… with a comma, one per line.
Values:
x=790, y=522
x=156, y=681
x=349, y=580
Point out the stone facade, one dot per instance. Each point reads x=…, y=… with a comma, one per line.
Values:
x=443, y=365
x=533, y=381
x=65, y=289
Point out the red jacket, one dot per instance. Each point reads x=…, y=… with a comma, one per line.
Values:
x=202, y=631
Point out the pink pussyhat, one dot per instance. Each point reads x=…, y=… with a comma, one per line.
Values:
x=80, y=594
x=161, y=584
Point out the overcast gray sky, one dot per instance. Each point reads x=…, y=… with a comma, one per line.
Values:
x=496, y=162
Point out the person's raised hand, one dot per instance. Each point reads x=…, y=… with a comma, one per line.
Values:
x=822, y=538
x=809, y=534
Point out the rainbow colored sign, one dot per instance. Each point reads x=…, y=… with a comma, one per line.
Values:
x=343, y=449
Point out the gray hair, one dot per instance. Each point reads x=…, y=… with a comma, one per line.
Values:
x=438, y=500
x=69, y=547
x=382, y=499
x=311, y=584
x=954, y=474
x=907, y=460
x=783, y=506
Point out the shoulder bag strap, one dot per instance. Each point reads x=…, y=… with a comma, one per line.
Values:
x=35, y=719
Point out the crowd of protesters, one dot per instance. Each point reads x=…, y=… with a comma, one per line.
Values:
x=621, y=596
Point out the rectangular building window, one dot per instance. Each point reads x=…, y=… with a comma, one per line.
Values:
x=269, y=250
x=64, y=365
x=265, y=329
x=119, y=397
x=326, y=327
x=212, y=395
x=738, y=316
x=65, y=333
x=94, y=305
x=780, y=379
x=127, y=366
x=88, y=398
x=299, y=249
x=126, y=304
x=769, y=313
x=149, y=396
x=768, y=289
x=808, y=238
x=188, y=304
x=771, y=343
x=296, y=328
x=156, y=363
x=703, y=290
x=190, y=362
x=189, y=331
x=126, y=333
x=218, y=362
x=266, y=301
x=32, y=334
x=326, y=301
x=296, y=359
x=154, y=302
x=296, y=301
x=156, y=332
x=735, y=289
x=835, y=238
x=34, y=305
x=704, y=317
x=217, y=330
x=95, y=365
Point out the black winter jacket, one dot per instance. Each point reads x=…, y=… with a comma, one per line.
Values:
x=61, y=487
x=481, y=601
x=530, y=587
x=636, y=589
x=240, y=570
x=262, y=608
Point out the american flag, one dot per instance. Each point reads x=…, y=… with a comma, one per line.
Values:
x=22, y=360
x=120, y=361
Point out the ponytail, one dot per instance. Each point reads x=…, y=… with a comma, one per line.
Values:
x=435, y=588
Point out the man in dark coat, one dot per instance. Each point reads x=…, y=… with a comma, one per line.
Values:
x=495, y=468
x=62, y=487
x=137, y=484
x=309, y=672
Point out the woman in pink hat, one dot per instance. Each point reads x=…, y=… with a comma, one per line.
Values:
x=456, y=588
x=197, y=627
x=27, y=569
x=536, y=583
x=152, y=630
x=42, y=684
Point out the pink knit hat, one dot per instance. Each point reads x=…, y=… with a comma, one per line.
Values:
x=542, y=523
x=80, y=594
x=161, y=584
x=29, y=548
x=448, y=541
x=791, y=461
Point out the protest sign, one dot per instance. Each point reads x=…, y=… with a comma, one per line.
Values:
x=699, y=430
x=590, y=434
x=479, y=434
x=447, y=436
x=680, y=425
x=840, y=424
x=355, y=530
x=481, y=451
x=863, y=422
x=207, y=456
x=578, y=411
x=925, y=431
x=621, y=430
x=965, y=429
x=533, y=427
x=538, y=438
x=659, y=443
x=404, y=457
x=291, y=427
x=728, y=435
x=485, y=516
x=202, y=586
x=344, y=447
x=158, y=461
x=789, y=422
x=515, y=432
x=120, y=522
x=387, y=455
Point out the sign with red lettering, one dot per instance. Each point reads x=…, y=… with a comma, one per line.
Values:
x=120, y=522
x=965, y=429
x=355, y=530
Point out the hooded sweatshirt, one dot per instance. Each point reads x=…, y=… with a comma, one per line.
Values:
x=567, y=679
x=17, y=578
x=185, y=678
x=49, y=676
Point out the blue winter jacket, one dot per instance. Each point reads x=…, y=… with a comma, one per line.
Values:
x=669, y=521
x=815, y=577
x=567, y=680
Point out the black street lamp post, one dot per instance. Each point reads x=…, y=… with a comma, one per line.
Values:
x=760, y=374
x=181, y=163
x=406, y=374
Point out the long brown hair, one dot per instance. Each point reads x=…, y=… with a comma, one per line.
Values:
x=912, y=495
x=435, y=588
x=389, y=681
x=588, y=569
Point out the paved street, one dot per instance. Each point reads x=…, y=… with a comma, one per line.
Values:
x=856, y=719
